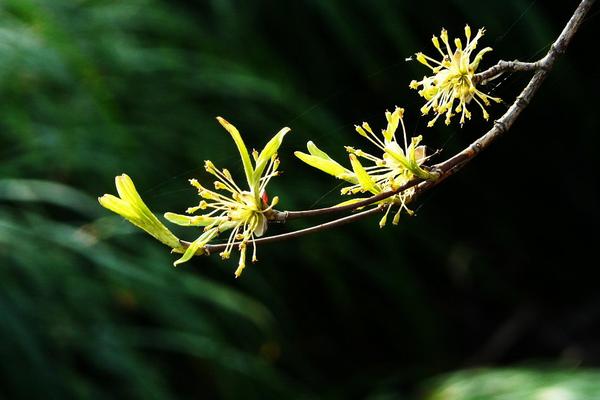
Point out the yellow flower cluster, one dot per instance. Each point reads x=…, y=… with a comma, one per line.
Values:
x=398, y=164
x=452, y=80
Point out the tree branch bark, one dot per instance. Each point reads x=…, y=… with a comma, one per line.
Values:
x=211, y=248
x=505, y=66
x=282, y=216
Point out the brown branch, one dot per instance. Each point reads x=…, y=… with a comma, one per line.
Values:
x=455, y=163
x=212, y=248
x=547, y=62
x=505, y=66
x=282, y=216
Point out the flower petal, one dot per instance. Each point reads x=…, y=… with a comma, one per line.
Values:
x=327, y=165
x=239, y=142
x=117, y=205
x=131, y=207
x=351, y=201
x=364, y=179
x=315, y=151
x=191, y=251
x=265, y=155
x=478, y=58
x=186, y=220
x=196, y=247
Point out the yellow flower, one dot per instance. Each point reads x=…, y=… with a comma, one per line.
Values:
x=396, y=167
x=452, y=79
x=130, y=206
x=230, y=208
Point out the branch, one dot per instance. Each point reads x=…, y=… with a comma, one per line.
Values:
x=449, y=167
x=282, y=216
x=547, y=62
x=505, y=66
x=211, y=248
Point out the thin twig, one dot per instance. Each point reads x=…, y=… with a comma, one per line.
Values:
x=282, y=216
x=505, y=66
x=212, y=248
x=455, y=163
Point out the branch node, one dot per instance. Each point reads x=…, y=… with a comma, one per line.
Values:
x=435, y=173
x=282, y=218
x=475, y=148
x=521, y=102
x=500, y=126
x=543, y=64
x=558, y=48
x=277, y=216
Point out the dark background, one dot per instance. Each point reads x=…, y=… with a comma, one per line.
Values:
x=497, y=270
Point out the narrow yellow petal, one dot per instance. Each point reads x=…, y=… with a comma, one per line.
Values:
x=364, y=179
x=239, y=142
x=193, y=248
x=351, y=201
x=478, y=58
x=315, y=151
x=185, y=220
x=268, y=151
x=328, y=166
x=131, y=206
x=196, y=247
x=117, y=205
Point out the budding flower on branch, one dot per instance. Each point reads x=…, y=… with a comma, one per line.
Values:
x=399, y=164
x=228, y=207
x=130, y=206
x=452, y=79
x=243, y=212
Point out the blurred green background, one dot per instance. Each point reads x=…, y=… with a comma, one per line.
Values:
x=490, y=292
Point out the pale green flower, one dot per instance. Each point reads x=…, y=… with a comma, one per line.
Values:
x=230, y=208
x=130, y=206
x=452, y=79
x=397, y=165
